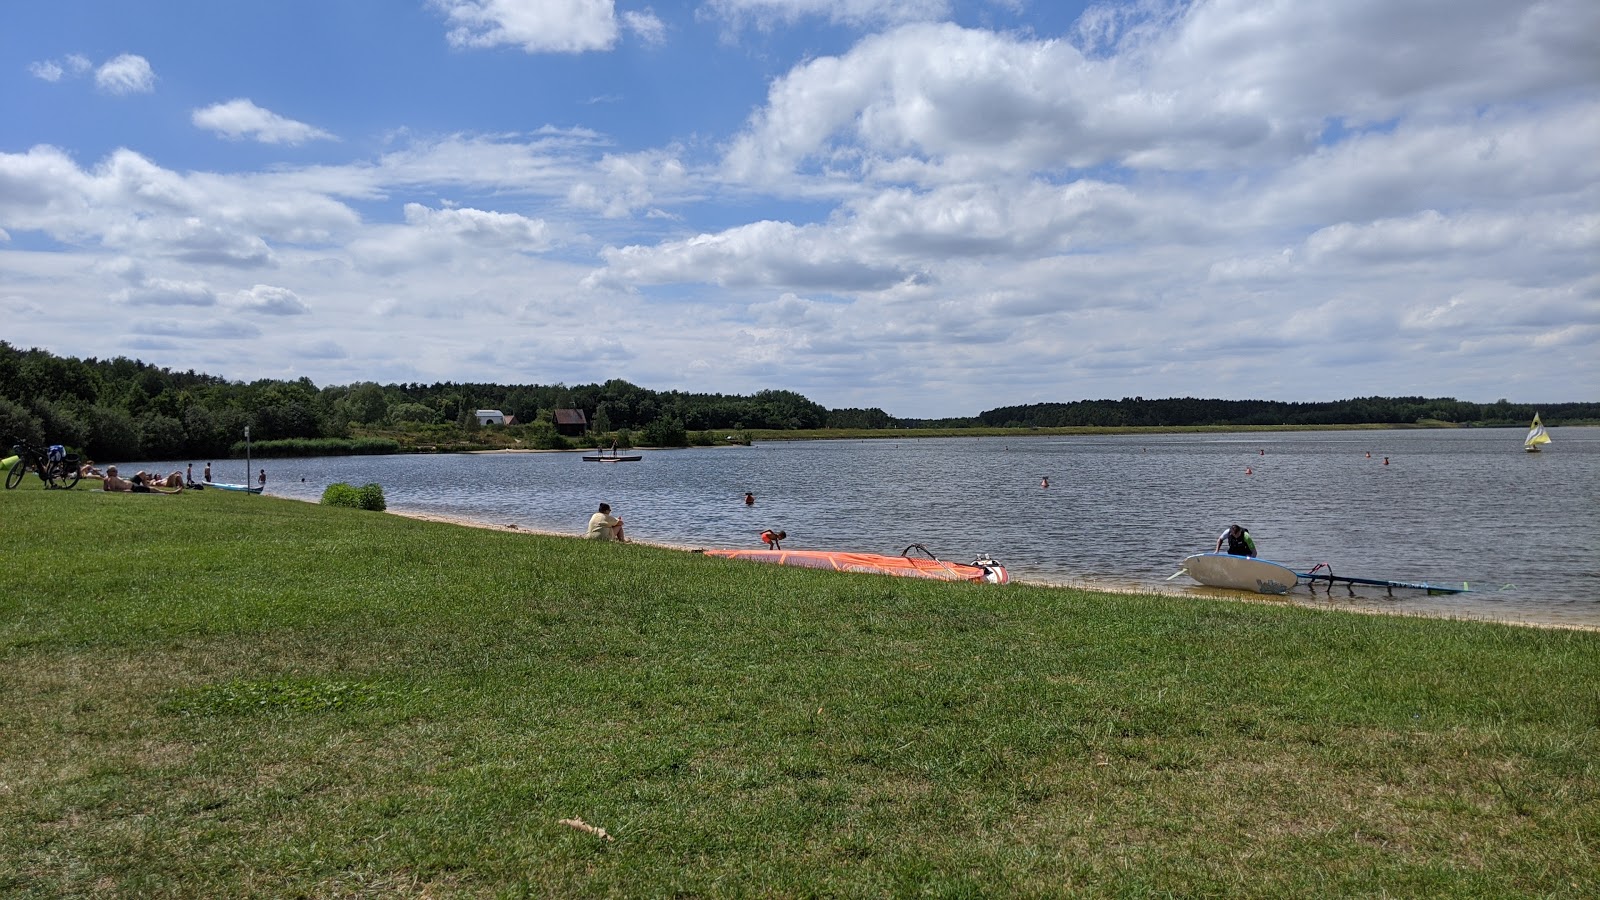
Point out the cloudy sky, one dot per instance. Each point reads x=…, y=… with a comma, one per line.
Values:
x=931, y=206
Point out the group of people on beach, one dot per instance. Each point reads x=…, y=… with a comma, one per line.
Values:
x=143, y=482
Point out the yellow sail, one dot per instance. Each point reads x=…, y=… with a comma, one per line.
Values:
x=1536, y=436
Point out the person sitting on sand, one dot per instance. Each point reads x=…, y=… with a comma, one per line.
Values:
x=603, y=526
x=138, y=484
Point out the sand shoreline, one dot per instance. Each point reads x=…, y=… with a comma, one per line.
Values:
x=1100, y=588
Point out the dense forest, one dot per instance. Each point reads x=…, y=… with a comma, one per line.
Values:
x=126, y=409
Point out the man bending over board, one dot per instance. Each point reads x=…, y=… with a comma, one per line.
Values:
x=1240, y=543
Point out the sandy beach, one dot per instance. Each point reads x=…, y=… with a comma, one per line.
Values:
x=1103, y=588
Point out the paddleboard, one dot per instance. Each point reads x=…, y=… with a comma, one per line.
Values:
x=1241, y=573
x=222, y=486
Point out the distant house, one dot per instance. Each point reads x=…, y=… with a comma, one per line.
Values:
x=571, y=423
x=495, y=417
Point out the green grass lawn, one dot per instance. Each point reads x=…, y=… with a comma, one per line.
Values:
x=216, y=694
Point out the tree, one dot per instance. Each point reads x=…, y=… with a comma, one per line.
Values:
x=665, y=432
x=112, y=433
x=160, y=436
x=17, y=424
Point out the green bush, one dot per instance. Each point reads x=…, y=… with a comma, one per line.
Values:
x=368, y=496
x=341, y=494
x=371, y=496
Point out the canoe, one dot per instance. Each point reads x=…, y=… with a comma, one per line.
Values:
x=1240, y=573
x=981, y=570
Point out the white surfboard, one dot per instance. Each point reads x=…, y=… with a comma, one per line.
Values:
x=1241, y=573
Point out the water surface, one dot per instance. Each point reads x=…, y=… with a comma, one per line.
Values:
x=1121, y=511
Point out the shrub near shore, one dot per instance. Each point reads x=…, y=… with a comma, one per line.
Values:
x=249, y=696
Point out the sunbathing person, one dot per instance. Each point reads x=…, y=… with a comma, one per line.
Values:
x=87, y=470
x=138, y=484
x=173, y=480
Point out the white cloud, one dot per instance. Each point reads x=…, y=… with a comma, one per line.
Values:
x=126, y=74
x=241, y=118
x=934, y=219
x=53, y=70
x=857, y=13
x=165, y=292
x=761, y=253
x=128, y=201
x=273, y=301
x=647, y=26
x=46, y=71
x=537, y=26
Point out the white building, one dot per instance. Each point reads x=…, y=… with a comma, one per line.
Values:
x=494, y=417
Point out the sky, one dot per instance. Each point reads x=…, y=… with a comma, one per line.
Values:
x=933, y=207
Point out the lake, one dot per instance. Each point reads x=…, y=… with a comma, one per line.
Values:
x=1121, y=511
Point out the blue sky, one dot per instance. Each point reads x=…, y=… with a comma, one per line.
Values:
x=929, y=206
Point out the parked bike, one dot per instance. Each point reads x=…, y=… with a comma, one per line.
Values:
x=56, y=467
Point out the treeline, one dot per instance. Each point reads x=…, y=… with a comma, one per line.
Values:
x=1139, y=412
x=126, y=409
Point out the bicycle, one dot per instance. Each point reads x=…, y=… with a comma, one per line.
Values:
x=56, y=467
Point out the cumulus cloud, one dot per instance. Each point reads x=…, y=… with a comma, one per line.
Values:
x=931, y=217
x=129, y=202
x=166, y=292
x=761, y=253
x=1224, y=84
x=240, y=118
x=272, y=301
x=536, y=26
x=126, y=74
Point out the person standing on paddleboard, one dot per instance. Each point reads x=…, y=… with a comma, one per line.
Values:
x=1240, y=543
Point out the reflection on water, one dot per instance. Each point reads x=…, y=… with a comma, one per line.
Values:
x=1121, y=511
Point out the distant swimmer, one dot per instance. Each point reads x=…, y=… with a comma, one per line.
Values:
x=749, y=499
x=1044, y=482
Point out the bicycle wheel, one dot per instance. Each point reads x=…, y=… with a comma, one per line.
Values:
x=66, y=475
x=15, y=473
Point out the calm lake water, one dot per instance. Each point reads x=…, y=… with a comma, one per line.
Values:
x=1120, y=512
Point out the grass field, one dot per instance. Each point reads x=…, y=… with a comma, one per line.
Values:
x=221, y=695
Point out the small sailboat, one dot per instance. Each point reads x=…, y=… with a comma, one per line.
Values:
x=1536, y=436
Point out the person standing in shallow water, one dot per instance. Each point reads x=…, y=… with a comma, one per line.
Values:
x=207, y=473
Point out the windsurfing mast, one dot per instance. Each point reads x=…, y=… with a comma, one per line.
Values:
x=1350, y=582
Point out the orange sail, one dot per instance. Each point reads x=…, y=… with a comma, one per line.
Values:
x=981, y=570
